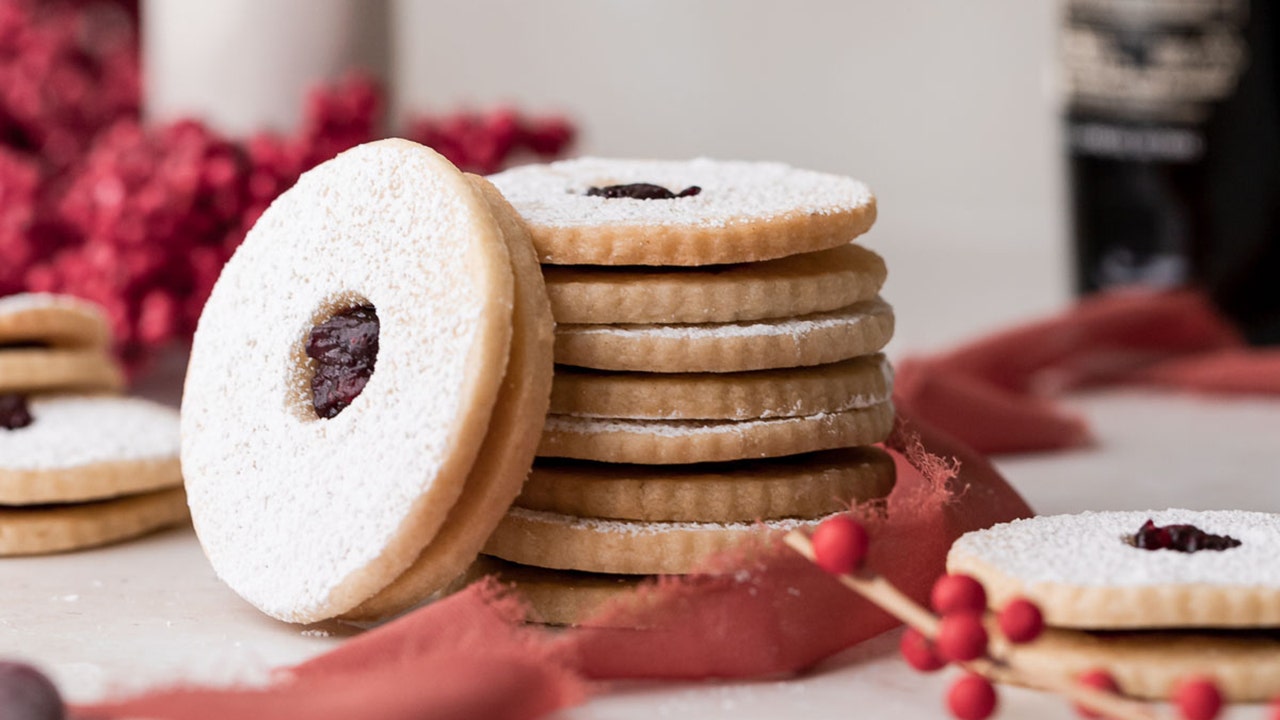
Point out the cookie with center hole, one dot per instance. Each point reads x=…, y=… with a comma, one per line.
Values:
x=509, y=444
x=597, y=211
x=863, y=328
x=785, y=287
x=1133, y=570
x=64, y=448
x=54, y=342
x=343, y=379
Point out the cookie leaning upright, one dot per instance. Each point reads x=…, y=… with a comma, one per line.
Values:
x=728, y=212
x=342, y=379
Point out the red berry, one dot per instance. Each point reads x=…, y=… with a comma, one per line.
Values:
x=1098, y=679
x=972, y=697
x=918, y=651
x=958, y=593
x=840, y=545
x=961, y=637
x=1020, y=621
x=1197, y=698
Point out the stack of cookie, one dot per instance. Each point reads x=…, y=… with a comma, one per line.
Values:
x=78, y=466
x=717, y=374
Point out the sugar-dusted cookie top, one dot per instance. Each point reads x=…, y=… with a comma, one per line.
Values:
x=54, y=320
x=596, y=211
x=1187, y=568
x=342, y=379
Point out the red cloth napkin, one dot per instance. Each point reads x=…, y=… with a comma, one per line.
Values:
x=993, y=393
x=764, y=612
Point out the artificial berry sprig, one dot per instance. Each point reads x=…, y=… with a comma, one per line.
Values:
x=959, y=635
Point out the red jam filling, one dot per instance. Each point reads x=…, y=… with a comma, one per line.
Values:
x=641, y=191
x=14, y=412
x=1182, y=538
x=345, y=348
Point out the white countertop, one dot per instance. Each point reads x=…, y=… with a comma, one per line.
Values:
x=151, y=611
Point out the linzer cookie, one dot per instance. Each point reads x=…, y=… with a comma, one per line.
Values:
x=669, y=442
x=43, y=529
x=376, y=296
x=792, y=392
x=1133, y=570
x=552, y=540
x=558, y=597
x=54, y=342
x=509, y=444
x=859, y=329
x=786, y=287
x=593, y=211
x=59, y=449
x=807, y=485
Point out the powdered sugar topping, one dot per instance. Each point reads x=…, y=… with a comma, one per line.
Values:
x=733, y=192
x=845, y=317
x=1090, y=549
x=72, y=432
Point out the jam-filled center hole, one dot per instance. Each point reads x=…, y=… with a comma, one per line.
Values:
x=641, y=191
x=1181, y=538
x=14, y=411
x=345, y=350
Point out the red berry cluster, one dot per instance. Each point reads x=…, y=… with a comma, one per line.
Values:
x=839, y=546
x=141, y=219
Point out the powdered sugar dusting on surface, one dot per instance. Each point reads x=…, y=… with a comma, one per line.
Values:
x=289, y=506
x=846, y=317
x=1089, y=549
x=70, y=432
x=733, y=192
x=674, y=428
x=636, y=527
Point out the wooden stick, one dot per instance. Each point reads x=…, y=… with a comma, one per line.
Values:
x=885, y=594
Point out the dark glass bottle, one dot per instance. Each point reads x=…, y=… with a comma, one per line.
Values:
x=1173, y=135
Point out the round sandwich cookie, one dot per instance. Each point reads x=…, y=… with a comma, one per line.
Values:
x=507, y=451
x=863, y=328
x=1133, y=570
x=786, y=287
x=595, y=211
x=1244, y=665
x=343, y=377
x=63, y=448
x=54, y=343
x=806, y=485
x=624, y=547
x=557, y=597
x=671, y=442
x=45, y=529
x=50, y=320
x=789, y=392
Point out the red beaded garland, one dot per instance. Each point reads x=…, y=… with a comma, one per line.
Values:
x=1098, y=679
x=972, y=697
x=1020, y=621
x=1197, y=698
x=919, y=652
x=958, y=593
x=840, y=544
x=961, y=637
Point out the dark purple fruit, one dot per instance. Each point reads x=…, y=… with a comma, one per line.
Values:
x=14, y=412
x=345, y=348
x=641, y=191
x=26, y=694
